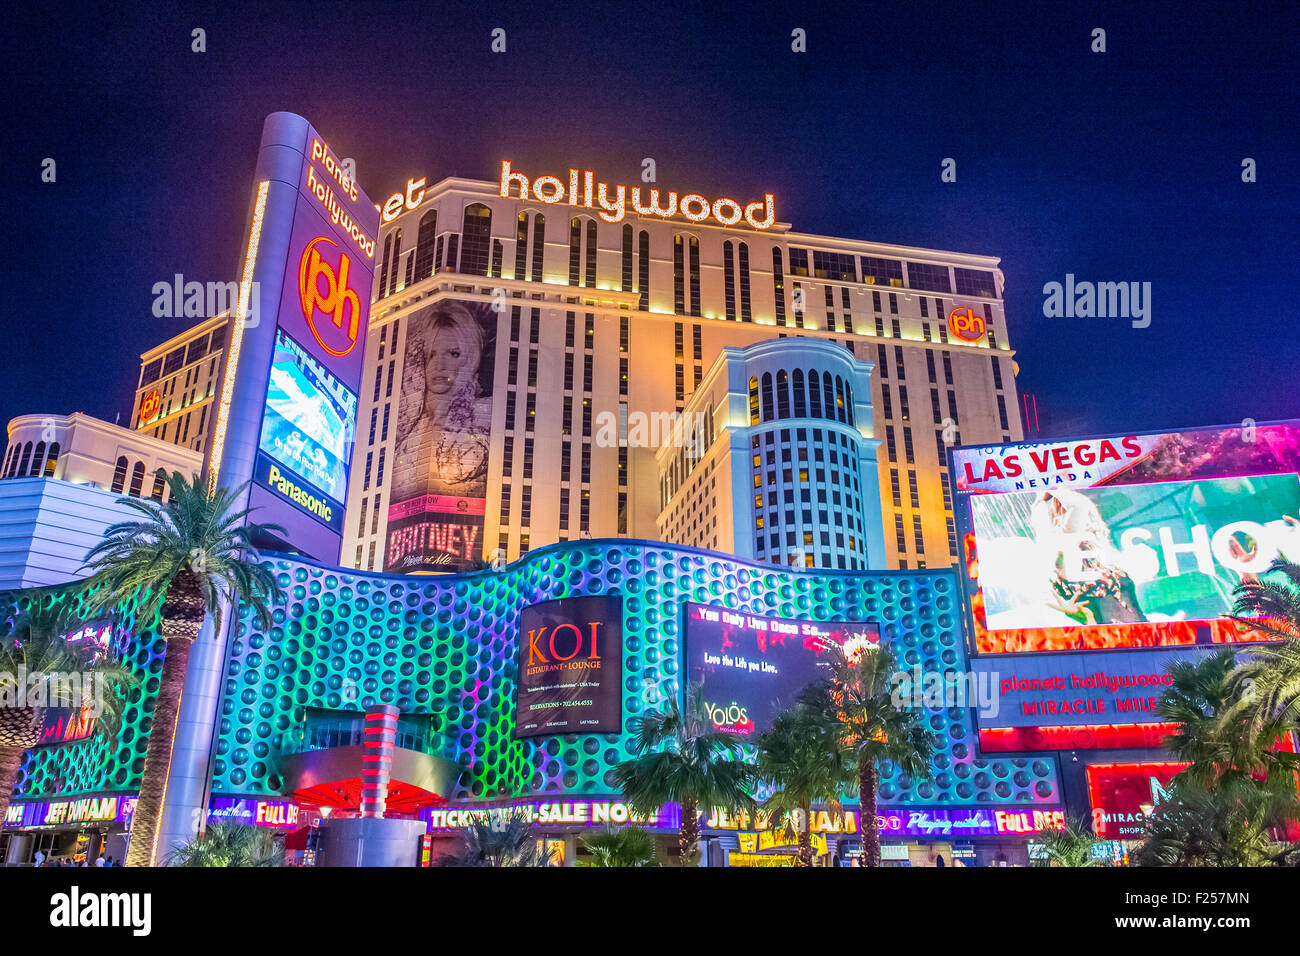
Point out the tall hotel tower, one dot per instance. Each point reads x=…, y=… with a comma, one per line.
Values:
x=531, y=337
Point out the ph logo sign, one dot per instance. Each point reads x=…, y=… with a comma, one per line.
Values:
x=149, y=405
x=965, y=324
x=324, y=294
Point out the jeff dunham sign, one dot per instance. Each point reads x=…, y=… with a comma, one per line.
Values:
x=570, y=667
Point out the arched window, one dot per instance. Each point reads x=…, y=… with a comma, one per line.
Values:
x=26, y=460
x=643, y=270
x=746, y=313
x=38, y=458
x=9, y=458
x=539, y=246
x=839, y=400
x=782, y=394
x=476, y=244
x=51, y=459
x=383, y=270
x=589, y=279
x=679, y=275
x=848, y=402
x=521, y=245
x=626, y=281
x=575, y=249
x=753, y=400
x=729, y=280
x=800, y=399
x=137, y=479
x=119, y=475
x=828, y=395
x=814, y=395
x=426, y=238
x=159, y=483
x=695, y=276
x=767, y=397
x=397, y=259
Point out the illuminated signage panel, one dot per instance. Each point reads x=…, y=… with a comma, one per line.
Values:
x=1122, y=541
x=276, y=814
x=1123, y=795
x=570, y=667
x=567, y=814
x=751, y=665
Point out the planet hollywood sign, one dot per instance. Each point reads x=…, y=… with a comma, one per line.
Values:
x=581, y=190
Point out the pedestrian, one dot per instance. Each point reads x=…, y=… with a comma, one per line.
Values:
x=99, y=860
x=39, y=858
x=109, y=861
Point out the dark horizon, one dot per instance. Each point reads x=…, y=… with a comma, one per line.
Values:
x=1122, y=166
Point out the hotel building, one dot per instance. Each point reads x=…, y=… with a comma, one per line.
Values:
x=599, y=324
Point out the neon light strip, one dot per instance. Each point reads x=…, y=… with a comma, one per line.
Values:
x=236, y=339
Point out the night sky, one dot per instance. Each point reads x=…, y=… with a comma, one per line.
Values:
x=1122, y=166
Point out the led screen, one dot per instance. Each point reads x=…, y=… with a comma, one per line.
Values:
x=309, y=421
x=751, y=667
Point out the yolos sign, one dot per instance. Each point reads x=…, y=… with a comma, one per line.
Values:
x=581, y=189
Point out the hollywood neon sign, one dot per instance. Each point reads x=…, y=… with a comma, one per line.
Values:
x=583, y=191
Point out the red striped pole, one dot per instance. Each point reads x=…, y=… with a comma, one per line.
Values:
x=377, y=758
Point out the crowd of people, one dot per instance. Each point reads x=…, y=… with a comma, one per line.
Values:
x=41, y=859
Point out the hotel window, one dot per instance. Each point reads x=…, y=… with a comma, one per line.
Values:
x=947, y=369
x=539, y=247
x=838, y=266
x=370, y=460
x=512, y=367
x=893, y=309
x=902, y=401
x=900, y=536
x=388, y=389
x=498, y=254
x=894, y=489
x=530, y=415
x=383, y=269
x=590, y=278
x=379, y=470
x=778, y=285
x=397, y=258
x=697, y=343
x=568, y=371
x=928, y=277
x=798, y=262
x=361, y=525
x=914, y=493
x=925, y=309
x=997, y=374
x=374, y=424
x=695, y=275
x=993, y=338
x=890, y=442
x=453, y=245
x=532, y=368
x=894, y=328
x=119, y=475
x=566, y=426
x=586, y=372
x=782, y=395
x=907, y=446
x=679, y=339
x=584, y=510
x=510, y=409
x=622, y=376
x=916, y=534
x=1002, y=412
x=929, y=365
x=729, y=280
x=374, y=517
x=974, y=282
x=886, y=401
x=589, y=331
x=952, y=536
x=626, y=285
x=800, y=397
x=881, y=272
x=679, y=276
x=767, y=397
x=815, y=400
x=383, y=435
x=586, y=466
x=370, y=561
x=746, y=310
x=680, y=383
x=507, y=461
x=898, y=362
x=798, y=305
x=934, y=406
x=586, y=419
x=566, y=449
x=505, y=504
x=643, y=270
x=753, y=401
x=526, y=507
x=575, y=249
x=52, y=460
x=568, y=329
x=137, y=478
x=521, y=245
x=477, y=229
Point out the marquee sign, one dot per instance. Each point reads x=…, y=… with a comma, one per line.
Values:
x=583, y=191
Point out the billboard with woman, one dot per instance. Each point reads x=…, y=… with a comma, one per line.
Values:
x=444, y=426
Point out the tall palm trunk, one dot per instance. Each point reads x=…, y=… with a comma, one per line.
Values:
x=805, y=837
x=11, y=759
x=182, y=616
x=689, y=840
x=868, y=784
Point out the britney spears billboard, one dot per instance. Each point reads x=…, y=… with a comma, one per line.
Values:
x=1124, y=541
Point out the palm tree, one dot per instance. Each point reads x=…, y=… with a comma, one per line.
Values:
x=1069, y=847
x=179, y=564
x=805, y=761
x=1268, y=680
x=621, y=846
x=499, y=843
x=40, y=671
x=874, y=728
x=229, y=844
x=680, y=758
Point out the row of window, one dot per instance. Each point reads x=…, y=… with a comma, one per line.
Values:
x=816, y=396
x=136, y=488
x=31, y=461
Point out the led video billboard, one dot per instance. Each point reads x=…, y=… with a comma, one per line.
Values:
x=570, y=667
x=1123, y=541
x=307, y=431
x=444, y=427
x=751, y=666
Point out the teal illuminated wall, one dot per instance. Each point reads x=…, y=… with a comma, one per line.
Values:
x=345, y=639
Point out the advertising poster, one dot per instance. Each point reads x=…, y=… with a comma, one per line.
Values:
x=1122, y=541
x=570, y=667
x=444, y=427
x=1124, y=794
x=752, y=666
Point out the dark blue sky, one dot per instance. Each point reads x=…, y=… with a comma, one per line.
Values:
x=1123, y=166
